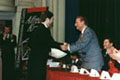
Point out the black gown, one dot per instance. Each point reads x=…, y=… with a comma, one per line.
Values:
x=40, y=42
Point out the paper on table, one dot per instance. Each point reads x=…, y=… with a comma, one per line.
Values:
x=54, y=64
x=56, y=53
x=116, y=76
x=105, y=75
x=94, y=73
x=74, y=69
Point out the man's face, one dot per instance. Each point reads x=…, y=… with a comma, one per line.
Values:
x=107, y=44
x=7, y=29
x=79, y=24
x=50, y=21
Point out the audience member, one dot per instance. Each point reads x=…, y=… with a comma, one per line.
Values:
x=88, y=44
x=8, y=43
x=113, y=64
x=106, y=44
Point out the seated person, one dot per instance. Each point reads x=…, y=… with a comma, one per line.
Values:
x=107, y=43
x=114, y=61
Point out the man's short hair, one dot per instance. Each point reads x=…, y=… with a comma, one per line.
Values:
x=82, y=18
x=109, y=38
x=46, y=14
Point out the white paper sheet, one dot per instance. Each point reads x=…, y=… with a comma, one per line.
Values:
x=56, y=53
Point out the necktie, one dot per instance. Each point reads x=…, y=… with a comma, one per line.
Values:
x=81, y=36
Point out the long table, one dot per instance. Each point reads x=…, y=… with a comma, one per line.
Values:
x=65, y=75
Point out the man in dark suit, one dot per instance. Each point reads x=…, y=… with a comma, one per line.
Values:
x=41, y=43
x=87, y=44
x=8, y=44
x=106, y=44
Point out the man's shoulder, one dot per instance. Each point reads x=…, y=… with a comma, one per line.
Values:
x=89, y=29
x=39, y=27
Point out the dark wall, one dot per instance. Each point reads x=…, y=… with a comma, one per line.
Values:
x=102, y=15
x=72, y=10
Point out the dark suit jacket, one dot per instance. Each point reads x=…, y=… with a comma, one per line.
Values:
x=41, y=43
x=92, y=59
x=106, y=58
x=7, y=47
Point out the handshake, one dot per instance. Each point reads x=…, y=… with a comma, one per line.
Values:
x=64, y=47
